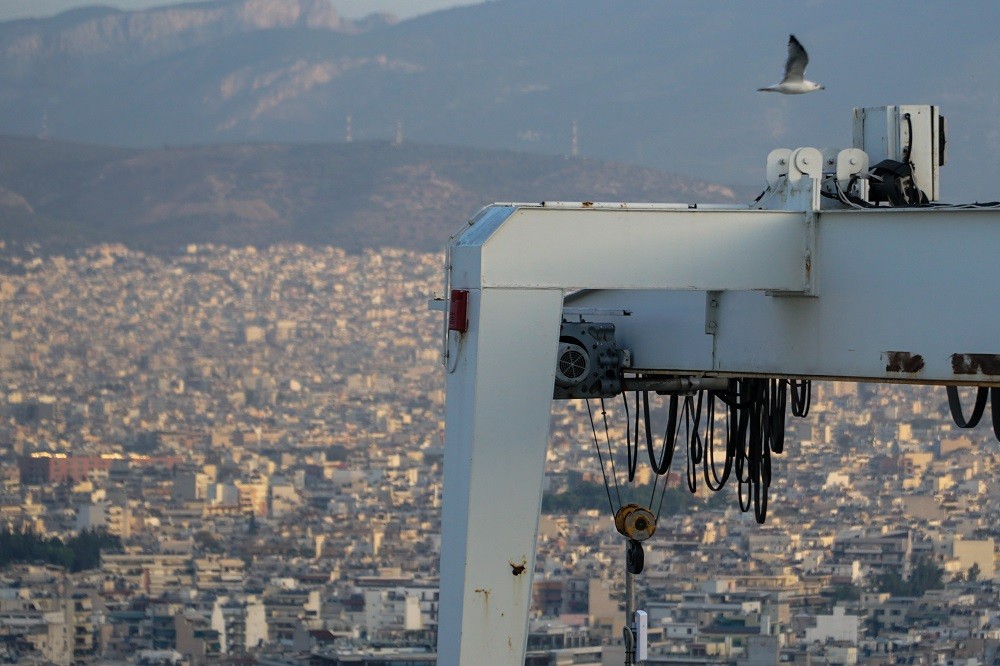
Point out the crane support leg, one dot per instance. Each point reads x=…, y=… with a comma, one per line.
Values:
x=498, y=410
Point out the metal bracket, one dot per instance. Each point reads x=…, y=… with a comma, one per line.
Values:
x=809, y=253
x=794, y=178
x=712, y=312
x=595, y=312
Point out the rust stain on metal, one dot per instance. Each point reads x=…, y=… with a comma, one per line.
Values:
x=903, y=361
x=588, y=204
x=516, y=569
x=485, y=591
x=975, y=364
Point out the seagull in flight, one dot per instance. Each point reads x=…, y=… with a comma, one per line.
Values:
x=794, y=82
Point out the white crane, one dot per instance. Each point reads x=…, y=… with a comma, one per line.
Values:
x=812, y=281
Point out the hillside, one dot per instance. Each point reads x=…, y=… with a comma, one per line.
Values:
x=671, y=85
x=353, y=195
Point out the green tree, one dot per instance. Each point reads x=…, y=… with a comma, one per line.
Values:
x=252, y=527
x=25, y=546
x=924, y=576
x=581, y=495
x=87, y=547
x=974, y=572
x=208, y=542
x=845, y=592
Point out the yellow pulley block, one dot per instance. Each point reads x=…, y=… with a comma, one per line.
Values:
x=635, y=522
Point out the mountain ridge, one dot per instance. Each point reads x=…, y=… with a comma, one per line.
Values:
x=665, y=85
x=93, y=31
x=356, y=195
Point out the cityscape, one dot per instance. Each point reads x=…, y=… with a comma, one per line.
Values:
x=255, y=436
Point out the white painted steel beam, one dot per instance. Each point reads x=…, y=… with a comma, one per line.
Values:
x=499, y=399
x=905, y=295
x=634, y=247
x=898, y=295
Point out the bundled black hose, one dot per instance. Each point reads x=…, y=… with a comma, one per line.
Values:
x=632, y=448
x=755, y=411
x=696, y=449
x=978, y=408
x=801, y=396
x=713, y=480
x=661, y=466
x=955, y=405
x=995, y=411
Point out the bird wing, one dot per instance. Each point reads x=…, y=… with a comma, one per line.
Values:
x=795, y=66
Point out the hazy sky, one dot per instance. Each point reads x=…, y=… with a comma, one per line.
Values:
x=11, y=9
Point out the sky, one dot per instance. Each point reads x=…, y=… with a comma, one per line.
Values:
x=13, y=9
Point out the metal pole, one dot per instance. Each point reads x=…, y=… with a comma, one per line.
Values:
x=675, y=384
x=629, y=607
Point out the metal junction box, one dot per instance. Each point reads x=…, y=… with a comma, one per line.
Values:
x=912, y=134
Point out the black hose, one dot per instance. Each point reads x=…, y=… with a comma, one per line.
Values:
x=716, y=482
x=632, y=449
x=977, y=411
x=755, y=428
x=692, y=425
x=995, y=410
x=669, y=436
x=801, y=397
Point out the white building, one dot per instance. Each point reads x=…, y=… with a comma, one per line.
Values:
x=241, y=623
x=392, y=610
x=115, y=518
x=838, y=627
x=285, y=499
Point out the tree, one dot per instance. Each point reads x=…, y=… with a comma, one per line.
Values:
x=252, y=527
x=208, y=542
x=79, y=553
x=580, y=495
x=25, y=546
x=846, y=592
x=925, y=576
x=86, y=548
x=974, y=572
x=873, y=626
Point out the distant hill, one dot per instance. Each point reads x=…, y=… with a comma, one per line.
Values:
x=671, y=85
x=352, y=195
